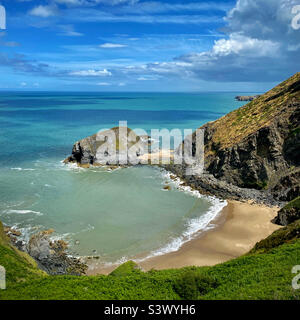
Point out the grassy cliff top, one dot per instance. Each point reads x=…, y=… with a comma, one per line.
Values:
x=98, y=139
x=259, y=113
x=265, y=273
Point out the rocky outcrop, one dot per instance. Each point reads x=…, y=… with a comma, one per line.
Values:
x=289, y=213
x=256, y=147
x=110, y=147
x=246, y=98
x=51, y=256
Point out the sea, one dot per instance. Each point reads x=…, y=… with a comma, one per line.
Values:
x=115, y=215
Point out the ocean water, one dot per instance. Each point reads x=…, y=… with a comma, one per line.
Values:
x=116, y=214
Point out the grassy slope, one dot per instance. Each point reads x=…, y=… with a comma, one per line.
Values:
x=262, y=274
x=293, y=204
x=19, y=266
x=257, y=114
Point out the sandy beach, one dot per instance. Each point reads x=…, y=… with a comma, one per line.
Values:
x=236, y=230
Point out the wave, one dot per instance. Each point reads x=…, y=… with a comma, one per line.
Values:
x=193, y=226
x=22, y=169
x=23, y=212
x=71, y=167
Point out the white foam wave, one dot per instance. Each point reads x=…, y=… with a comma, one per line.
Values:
x=22, y=169
x=193, y=226
x=71, y=167
x=23, y=212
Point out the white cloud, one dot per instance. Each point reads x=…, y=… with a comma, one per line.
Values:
x=44, y=11
x=112, y=45
x=260, y=46
x=95, y=2
x=104, y=84
x=91, y=73
x=71, y=2
x=242, y=45
x=68, y=30
x=147, y=78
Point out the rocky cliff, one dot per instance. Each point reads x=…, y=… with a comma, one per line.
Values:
x=107, y=148
x=256, y=147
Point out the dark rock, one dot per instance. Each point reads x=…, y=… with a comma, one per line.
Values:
x=109, y=148
x=246, y=98
x=253, y=152
x=51, y=256
x=289, y=213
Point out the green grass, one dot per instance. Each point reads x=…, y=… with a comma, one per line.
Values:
x=264, y=273
x=282, y=236
x=295, y=204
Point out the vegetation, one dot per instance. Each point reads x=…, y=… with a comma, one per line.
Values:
x=255, y=115
x=264, y=273
x=288, y=234
x=191, y=285
x=294, y=204
x=289, y=213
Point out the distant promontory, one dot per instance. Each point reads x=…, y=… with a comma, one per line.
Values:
x=246, y=98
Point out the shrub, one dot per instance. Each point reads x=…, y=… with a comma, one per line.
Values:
x=191, y=285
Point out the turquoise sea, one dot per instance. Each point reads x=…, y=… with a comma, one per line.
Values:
x=115, y=215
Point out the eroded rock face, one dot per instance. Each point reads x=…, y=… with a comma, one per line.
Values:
x=111, y=147
x=264, y=159
x=255, y=147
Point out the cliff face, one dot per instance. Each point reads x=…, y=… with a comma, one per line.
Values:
x=258, y=145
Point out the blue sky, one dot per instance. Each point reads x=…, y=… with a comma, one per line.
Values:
x=141, y=45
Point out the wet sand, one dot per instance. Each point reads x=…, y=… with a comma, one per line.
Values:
x=236, y=230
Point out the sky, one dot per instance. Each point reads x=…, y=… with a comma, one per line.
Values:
x=144, y=45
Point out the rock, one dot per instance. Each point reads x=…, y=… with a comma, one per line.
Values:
x=246, y=98
x=289, y=213
x=10, y=231
x=109, y=148
x=13, y=235
x=253, y=151
x=51, y=256
x=167, y=187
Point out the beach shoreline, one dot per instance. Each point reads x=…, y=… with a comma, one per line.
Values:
x=235, y=231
